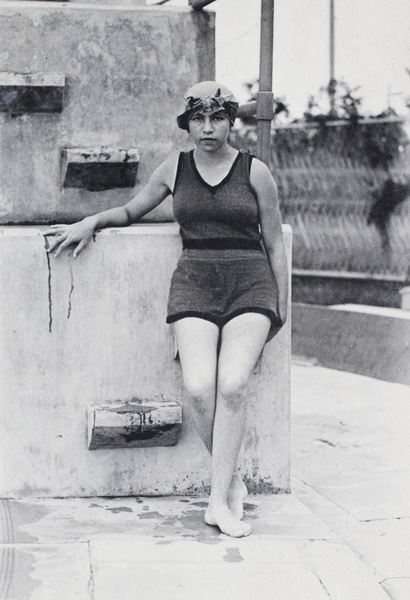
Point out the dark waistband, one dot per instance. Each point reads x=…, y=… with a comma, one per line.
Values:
x=222, y=244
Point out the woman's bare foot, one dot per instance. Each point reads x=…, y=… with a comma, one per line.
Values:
x=237, y=494
x=227, y=522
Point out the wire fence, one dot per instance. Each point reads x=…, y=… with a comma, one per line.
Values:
x=346, y=215
x=330, y=210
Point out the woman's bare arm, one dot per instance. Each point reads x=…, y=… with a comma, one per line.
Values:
x=271, y=227
x=157, y=189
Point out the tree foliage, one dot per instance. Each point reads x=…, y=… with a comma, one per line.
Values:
x=374, y=141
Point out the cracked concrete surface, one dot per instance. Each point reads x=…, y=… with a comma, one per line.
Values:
x=50, y=302
x=70, y=293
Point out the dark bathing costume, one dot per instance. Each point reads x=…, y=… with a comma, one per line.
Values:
x=223, y=271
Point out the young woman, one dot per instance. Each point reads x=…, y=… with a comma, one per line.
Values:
x=228, y=294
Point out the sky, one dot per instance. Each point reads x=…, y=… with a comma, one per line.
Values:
x=372, y=49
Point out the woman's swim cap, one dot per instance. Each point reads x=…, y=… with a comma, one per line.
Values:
x=208, y=97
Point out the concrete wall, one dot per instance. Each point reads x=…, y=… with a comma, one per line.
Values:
x=126, y=69
x=92, y=330
x=367, y=340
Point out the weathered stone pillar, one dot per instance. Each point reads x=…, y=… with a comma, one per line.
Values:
x=78, y=336
x=92, y=80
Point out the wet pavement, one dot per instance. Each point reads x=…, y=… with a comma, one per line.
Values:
x=342, y=534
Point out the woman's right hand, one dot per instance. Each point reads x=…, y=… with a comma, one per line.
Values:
x=79, y=233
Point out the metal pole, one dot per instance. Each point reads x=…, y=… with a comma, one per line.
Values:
x=332, y=82
x=264, y=110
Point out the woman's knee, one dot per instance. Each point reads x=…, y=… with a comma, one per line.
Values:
x=201, y=389
x=232, y=388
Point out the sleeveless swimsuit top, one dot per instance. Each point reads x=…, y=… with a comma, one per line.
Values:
x=224, y=212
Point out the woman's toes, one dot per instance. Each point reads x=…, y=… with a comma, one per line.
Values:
x=227, y=522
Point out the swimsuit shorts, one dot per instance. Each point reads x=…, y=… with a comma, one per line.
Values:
x=218, y=285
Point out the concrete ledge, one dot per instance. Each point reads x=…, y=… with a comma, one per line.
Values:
x=326, y=288
x=369, y=341
x=134, y=424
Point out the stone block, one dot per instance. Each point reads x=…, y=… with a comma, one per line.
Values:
x=99, y=169
x=134, y=424
x=31, y=92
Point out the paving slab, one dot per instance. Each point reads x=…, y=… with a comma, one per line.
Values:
x=382, y=558
x=342, y=574
x=395, y=531
x=45, y=572
x=180, y=570
x=53, y=520
x=398, y=588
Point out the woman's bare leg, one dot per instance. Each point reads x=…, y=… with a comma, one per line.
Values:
x=197, y=341
x=243, y=339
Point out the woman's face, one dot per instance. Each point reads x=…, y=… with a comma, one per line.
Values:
x=209, y=132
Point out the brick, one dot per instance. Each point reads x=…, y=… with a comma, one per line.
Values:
x=98, y=169
x=31, y=92
x=134, y=424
